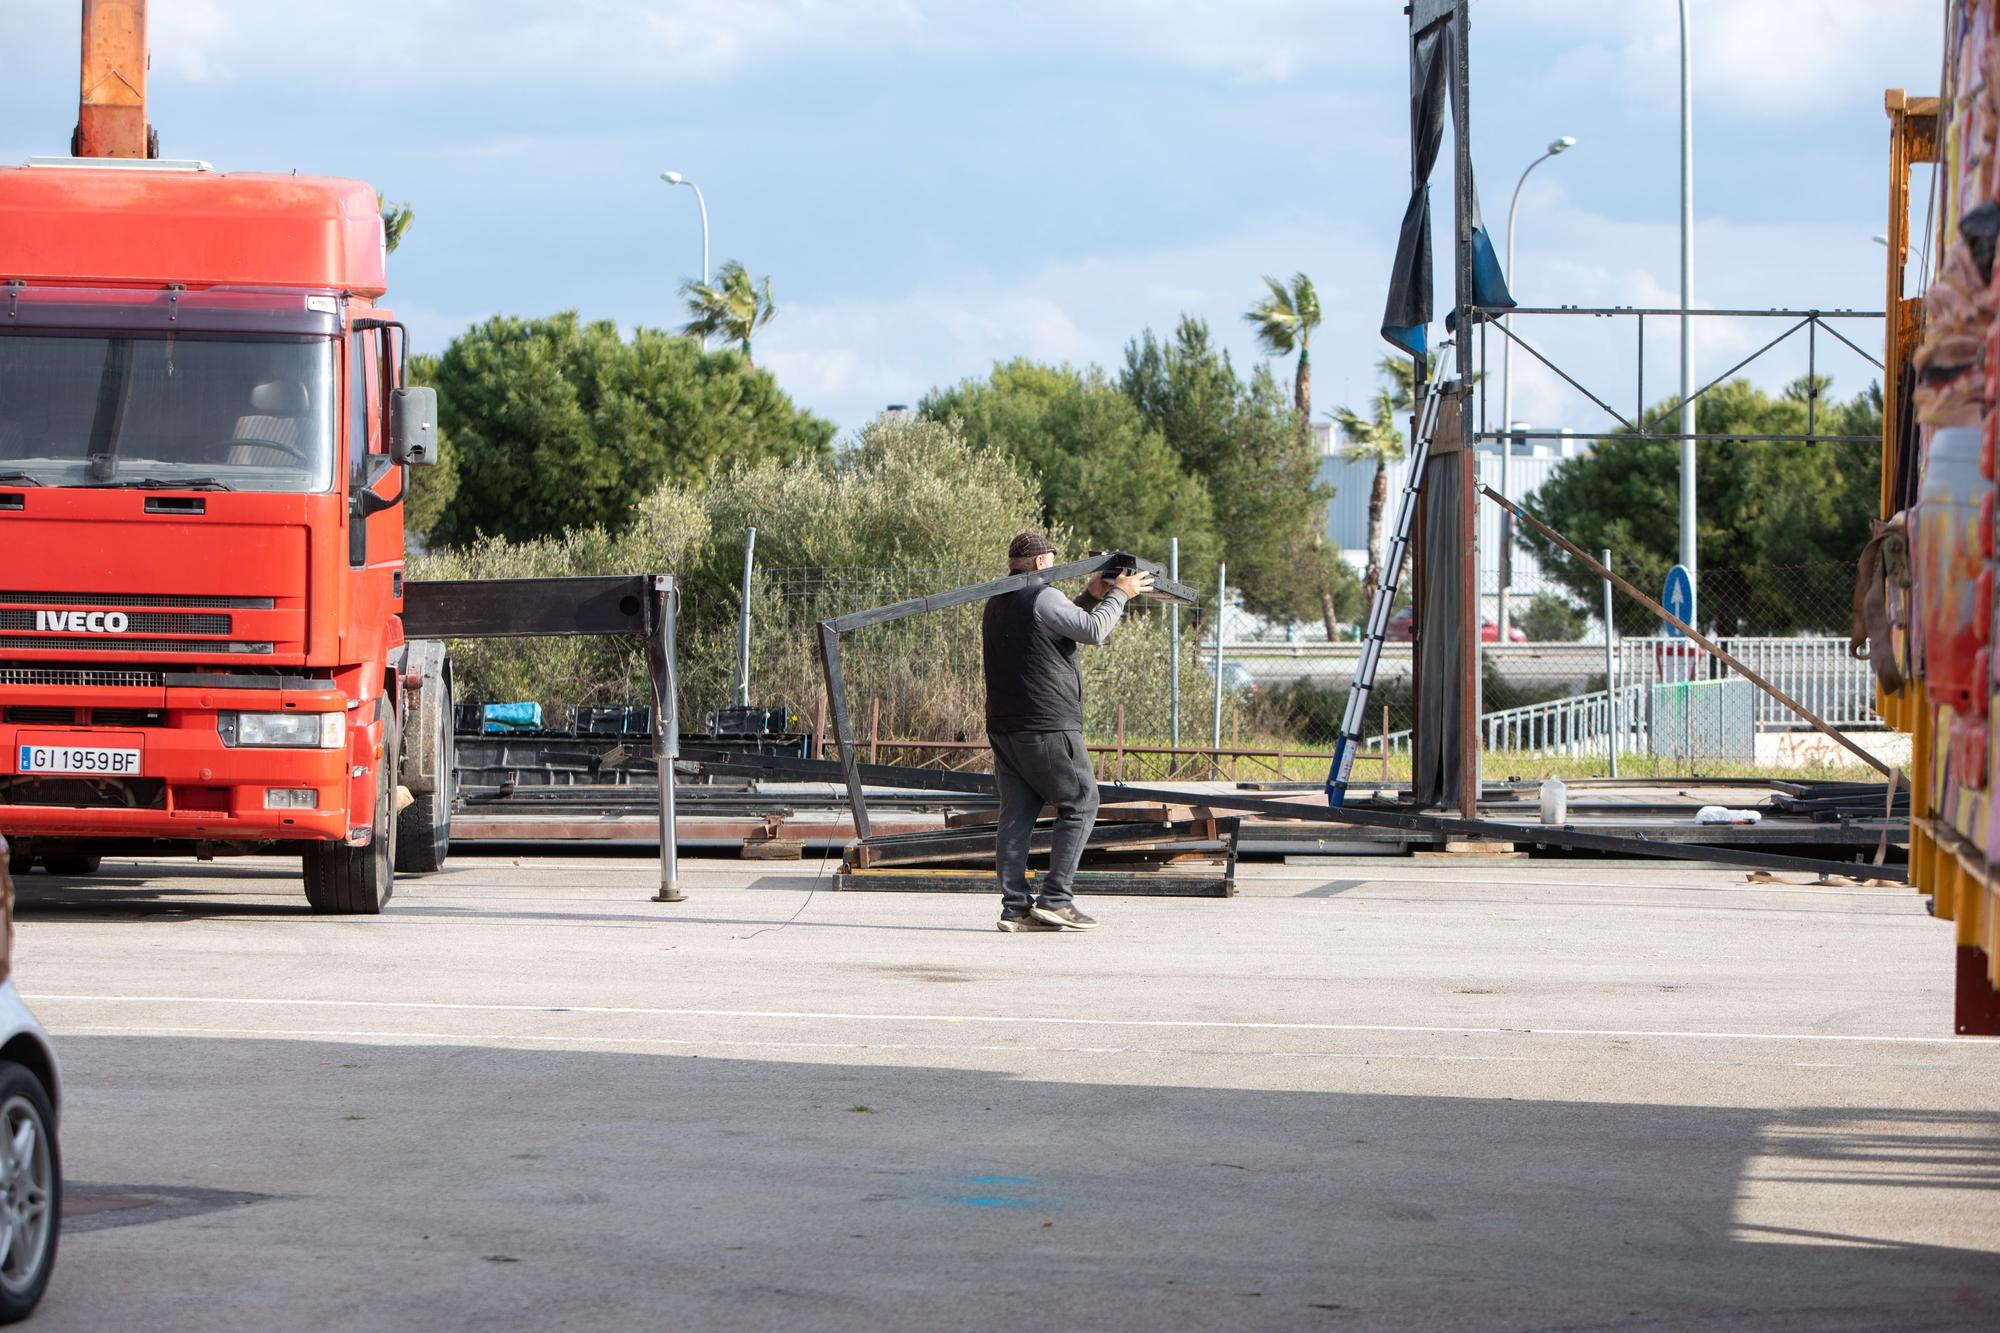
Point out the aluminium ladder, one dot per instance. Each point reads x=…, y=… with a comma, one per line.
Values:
x=1356, y=717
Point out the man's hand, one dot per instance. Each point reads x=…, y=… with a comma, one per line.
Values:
x=1133, y=583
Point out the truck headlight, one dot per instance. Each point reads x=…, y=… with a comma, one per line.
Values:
x=296, y=731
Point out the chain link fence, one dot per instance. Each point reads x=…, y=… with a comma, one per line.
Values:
x=1266, y=701
x=1557, y=696
x=916, y=686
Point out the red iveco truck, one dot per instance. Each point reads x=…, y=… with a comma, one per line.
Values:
x=205, y=440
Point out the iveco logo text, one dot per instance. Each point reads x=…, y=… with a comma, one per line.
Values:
x=82, y=622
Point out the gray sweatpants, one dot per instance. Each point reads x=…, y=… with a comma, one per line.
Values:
x=1034, y=769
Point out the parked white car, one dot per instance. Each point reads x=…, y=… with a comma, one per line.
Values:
x=30, y=1158
x=1235, y=675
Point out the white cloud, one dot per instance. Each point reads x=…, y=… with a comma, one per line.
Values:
x=1779, y=58
x=702, y=40
x=1584, y=258
x=849, y=359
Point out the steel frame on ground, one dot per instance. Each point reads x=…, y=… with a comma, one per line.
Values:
x=1436, y=825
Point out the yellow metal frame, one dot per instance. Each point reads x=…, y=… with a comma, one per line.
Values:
x=1943, y=862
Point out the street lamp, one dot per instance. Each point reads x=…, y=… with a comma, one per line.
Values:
x=675, y=178
x=1687, y=327
x=1561, y=145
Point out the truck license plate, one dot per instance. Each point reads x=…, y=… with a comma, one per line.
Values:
x=91, y=759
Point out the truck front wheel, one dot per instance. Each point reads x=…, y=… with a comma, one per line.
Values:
x=357, y=881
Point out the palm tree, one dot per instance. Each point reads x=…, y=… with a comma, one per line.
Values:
x=396, y=220
x=1285, y=321
x=1401, y=372
x=731, y=308
x=1377, y=440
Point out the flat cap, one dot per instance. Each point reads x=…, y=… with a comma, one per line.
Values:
x=1029, y=544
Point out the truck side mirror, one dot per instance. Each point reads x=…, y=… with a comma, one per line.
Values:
x=413, y=420
x=367, y=501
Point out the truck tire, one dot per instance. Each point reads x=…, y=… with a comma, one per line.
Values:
x=71, y=863
x=423, y=829
x=34, y=1191
x=357, y=881
x=20, y=860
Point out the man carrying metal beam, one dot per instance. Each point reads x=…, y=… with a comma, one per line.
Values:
x=1034, y=721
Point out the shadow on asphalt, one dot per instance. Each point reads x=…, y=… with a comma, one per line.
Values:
x=114, y=897
x=695, y=1192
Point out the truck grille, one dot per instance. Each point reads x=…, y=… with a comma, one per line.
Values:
x=127, y=717
x=91, y=677
x=30, y=716
x=41, y=715
x=137, y=599
x=124, y=643
x=86, y=793
x=190, y=624
x=141, y=622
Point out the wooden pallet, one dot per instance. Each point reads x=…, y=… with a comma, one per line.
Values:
x=975, y=844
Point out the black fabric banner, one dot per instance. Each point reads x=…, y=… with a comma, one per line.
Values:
x=1441, y=685
x=1407, y=316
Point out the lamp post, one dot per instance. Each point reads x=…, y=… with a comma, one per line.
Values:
x=1687, y=334
x=675, y=178
x=1561, y=145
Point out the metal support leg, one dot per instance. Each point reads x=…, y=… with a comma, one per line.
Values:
x=660, y=647
x=1610, y=669
x=1174, y=648
x=743, y=622
x=843, y=725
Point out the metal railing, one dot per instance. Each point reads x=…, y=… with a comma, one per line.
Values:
x=1818, y=671
x=1574, y=727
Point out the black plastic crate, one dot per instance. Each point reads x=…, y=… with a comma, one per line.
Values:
x=753, y=722
x=603, y=721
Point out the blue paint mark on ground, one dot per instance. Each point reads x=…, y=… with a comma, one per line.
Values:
x=1000, y=1192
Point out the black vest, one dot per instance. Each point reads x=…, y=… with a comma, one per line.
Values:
x=1032, y=680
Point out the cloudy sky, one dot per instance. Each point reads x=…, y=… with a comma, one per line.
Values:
x=934, y=184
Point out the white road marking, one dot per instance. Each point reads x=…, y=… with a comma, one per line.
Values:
x=1012, y=1020
x=572, y=1040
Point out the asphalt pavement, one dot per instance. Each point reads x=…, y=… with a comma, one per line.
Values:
x=1377, y=1093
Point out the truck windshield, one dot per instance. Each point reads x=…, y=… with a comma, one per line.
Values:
x=167, y=410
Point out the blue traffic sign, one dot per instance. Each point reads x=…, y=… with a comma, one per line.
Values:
x=1678, y=598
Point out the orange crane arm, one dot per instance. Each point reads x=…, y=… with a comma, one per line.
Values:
x=111, y=107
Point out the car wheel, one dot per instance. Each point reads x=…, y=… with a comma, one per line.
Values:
x=30, y=1191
